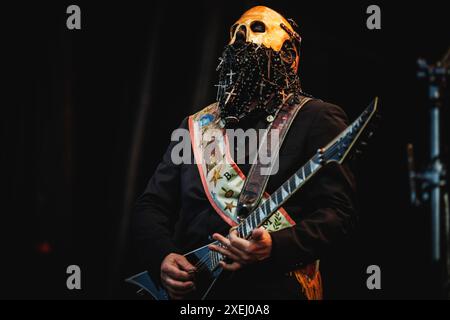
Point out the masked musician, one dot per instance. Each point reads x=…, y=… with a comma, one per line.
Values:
x=188, y=205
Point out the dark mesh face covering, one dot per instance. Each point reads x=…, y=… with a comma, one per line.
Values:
x=254, y=79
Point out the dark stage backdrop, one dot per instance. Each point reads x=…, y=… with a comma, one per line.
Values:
x=87, y=115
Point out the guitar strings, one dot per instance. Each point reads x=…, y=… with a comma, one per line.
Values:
x=204, y=262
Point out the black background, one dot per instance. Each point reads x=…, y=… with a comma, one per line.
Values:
x=87, y=114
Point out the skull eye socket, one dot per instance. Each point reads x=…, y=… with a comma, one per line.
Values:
x=258, y=27
x=233, y=30
x=288, y=52
x=241, y=35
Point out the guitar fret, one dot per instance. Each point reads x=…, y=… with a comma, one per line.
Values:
x=307, y=168
x=244, y=227
x=279, y=196
x=288, y=186
x=255, y=224
x=273, y=204
x=258, y=217
x=273, y=199
x=267, y=207
x=239, y=230
x=298, y=179
x=252, y=223
x=292, y=184
x=314, y=163
x=285, y=189
x=247, y=224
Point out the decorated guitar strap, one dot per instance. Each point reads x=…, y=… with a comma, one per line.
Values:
x=223, y=181
x=258, y=176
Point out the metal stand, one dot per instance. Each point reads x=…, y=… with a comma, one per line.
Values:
x=432, y=181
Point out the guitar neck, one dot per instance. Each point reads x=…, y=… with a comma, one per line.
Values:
x=268, y=207
x=336, y=151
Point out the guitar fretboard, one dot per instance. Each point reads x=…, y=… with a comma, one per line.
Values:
x=278, y=198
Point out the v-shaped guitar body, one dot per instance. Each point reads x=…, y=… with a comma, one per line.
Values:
x=205, y=277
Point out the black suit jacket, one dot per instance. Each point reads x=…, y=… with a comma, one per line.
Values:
x=174, y=215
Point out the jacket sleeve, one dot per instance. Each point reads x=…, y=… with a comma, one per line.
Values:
x=327, y=211
x=156, y=212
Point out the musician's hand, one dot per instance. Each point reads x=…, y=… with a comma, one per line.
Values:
x=177, y=275
x=242, y=251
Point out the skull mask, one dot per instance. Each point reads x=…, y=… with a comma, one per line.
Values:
x=264, y=26
x=257, y=72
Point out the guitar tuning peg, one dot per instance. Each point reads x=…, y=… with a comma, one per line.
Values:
x=363, y=144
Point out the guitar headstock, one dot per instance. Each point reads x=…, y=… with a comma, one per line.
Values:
x=355, y=134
